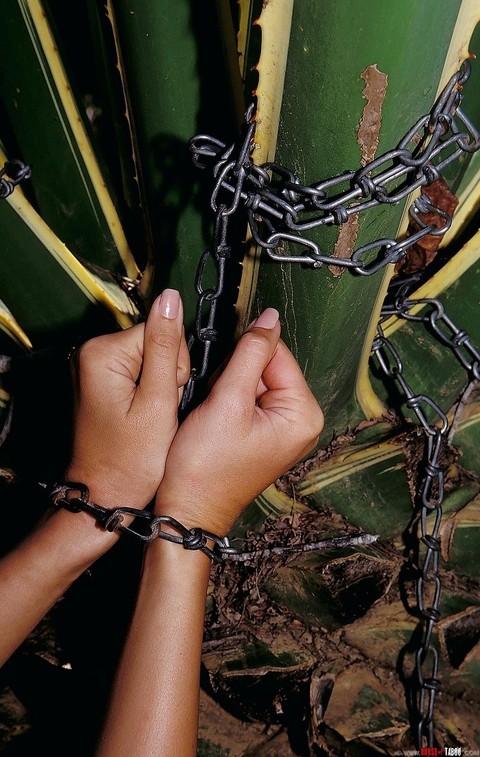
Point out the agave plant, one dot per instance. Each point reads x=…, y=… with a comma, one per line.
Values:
x=312, y=641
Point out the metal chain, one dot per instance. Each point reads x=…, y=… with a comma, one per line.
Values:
x=280, y=210
x=147, y=527
x=149, y=524
x=431, y=490
x=234, y=162
x=16, y=171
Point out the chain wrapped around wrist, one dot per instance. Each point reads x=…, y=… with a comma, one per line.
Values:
x=146, y=526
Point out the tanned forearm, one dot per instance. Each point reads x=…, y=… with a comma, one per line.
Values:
x=158, y=679
x=36, y=574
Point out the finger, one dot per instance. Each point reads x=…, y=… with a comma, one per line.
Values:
x=183, y=367
x=283, y=372
x=251, y=355
x=286, y=386
x=287, y=391
x=111, y=360
x=218, y=372
x=161, y=349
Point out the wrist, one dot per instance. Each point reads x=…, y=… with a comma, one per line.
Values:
x=164, y=558
x=193, y=515
x=71, y=541
x=111, y=489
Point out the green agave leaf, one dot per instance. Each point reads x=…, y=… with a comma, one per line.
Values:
x=169, y=102
x=48, y=291
x=52, y=135
x=466, y=438
x=460, y=534
x=466, y=37
x=368, y=486
x=114, y=133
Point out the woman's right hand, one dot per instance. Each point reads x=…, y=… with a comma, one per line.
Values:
x=259, y=419
x=128, y=386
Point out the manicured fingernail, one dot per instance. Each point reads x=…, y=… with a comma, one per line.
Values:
x=268, y=319
x=169, y=303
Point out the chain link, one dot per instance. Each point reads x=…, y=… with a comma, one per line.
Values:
x=234, y=163
x=16, y=171
x=147, y=527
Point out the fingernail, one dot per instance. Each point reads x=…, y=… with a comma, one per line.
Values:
x=169, y=303
x=268, y=319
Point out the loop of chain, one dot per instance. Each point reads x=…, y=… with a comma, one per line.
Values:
x=280, y=209
x=16, y=171
x=147, y=527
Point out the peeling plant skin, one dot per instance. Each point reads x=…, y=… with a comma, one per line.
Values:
x=345, y=244
x=368, y=135
x=368, y=132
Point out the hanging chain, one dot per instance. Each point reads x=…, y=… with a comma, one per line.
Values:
x=280, y=210
x=12, y=173
x=431, y=490
x=234, y=163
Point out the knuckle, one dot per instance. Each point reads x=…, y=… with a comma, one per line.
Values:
x=89, y=353
x=163, y=341
x=313, y=423
x=256, y=341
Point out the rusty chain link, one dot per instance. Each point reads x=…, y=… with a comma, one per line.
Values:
x=280, y=210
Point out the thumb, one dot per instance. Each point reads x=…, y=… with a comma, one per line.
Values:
x=161, y=349
x=252, y=354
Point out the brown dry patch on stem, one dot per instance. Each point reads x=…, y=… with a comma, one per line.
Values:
x=345, y=244
x=368, y=132
x=368, y=135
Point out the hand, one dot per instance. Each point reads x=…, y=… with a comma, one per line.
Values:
x=128, y=386
x=259, y=419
